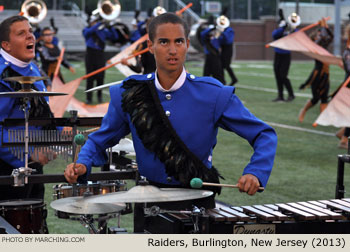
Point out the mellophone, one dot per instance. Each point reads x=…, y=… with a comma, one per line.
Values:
x=322, y=216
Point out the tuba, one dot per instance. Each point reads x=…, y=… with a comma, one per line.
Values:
x=294, y=21
x=222, y=22
x=34, y=10
x=158, y=11
x=107, y=10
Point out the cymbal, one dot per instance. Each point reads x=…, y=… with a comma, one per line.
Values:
x=149, y=193
x=26, y=79
x=29, y=94
x=103, y=86
x=79, y=205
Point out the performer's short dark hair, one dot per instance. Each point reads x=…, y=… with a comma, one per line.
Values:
x=46, y=29
x=5, y=27
x=164, y=19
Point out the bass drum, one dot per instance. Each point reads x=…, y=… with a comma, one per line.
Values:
x=28, y=216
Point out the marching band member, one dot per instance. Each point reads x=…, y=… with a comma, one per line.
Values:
x=226, y=40
x=173, y=117
x=319, y=77
x=211, y=44
x=49, y=54
x=17, y=51
x=282, y=59
x=95, y=39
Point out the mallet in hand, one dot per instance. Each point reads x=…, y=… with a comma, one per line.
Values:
x=198, y=183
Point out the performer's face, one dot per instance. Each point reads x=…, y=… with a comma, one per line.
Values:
x=169, y=47
x=21, y=44
x=48, y=36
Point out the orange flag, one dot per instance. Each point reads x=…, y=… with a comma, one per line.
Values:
x=58, y=105
x=300, y=42
x=337, y=112
x=87, y=110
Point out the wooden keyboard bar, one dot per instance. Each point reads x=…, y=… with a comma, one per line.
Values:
x=318, y=214
x=334, y=205
x=239, y=209
x=347, y=200
x=318, y=204
x=215, y=216
x=228, y=217
x=333, y=215
x=280, y=216
x=341, y=202
x=273, y=207
x=241, y=216
x=296, y=212
x=260, y=214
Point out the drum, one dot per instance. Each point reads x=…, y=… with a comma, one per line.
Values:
x=112, y=186
x=65, y=190
x=26, y=215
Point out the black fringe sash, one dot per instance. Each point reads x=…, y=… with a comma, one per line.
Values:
x=140, y=100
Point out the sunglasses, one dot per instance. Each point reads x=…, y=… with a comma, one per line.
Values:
x=48, y=34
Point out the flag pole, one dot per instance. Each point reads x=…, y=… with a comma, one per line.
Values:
x=59, y=61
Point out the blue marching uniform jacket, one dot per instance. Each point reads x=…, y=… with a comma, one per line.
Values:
x=9, y=108
x=103, y=35
x=215, y=43
x=227, y=36
x=195, y=110
x=277, y=34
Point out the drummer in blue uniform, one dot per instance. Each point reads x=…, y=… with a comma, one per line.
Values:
x=17, y=51
x=173, y=117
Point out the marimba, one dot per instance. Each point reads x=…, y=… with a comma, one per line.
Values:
x=322, y=216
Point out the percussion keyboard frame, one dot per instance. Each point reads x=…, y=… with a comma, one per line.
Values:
x=311, y=217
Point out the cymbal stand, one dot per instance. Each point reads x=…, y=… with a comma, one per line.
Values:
x=88, y=222
x=21, y=174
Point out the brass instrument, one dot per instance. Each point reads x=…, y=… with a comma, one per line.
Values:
x=222, y=22
x=158, y=11
x=294, y=21
x=34, y=10
x=107, y=10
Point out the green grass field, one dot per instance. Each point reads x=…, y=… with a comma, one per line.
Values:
x=305, y=165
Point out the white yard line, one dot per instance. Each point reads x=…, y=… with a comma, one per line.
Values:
x=301, y=129
x=270, y=90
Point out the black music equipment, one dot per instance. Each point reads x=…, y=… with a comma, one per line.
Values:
x=25, y=215
x=342, y=159
x=61, y=142
x=321, y=217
